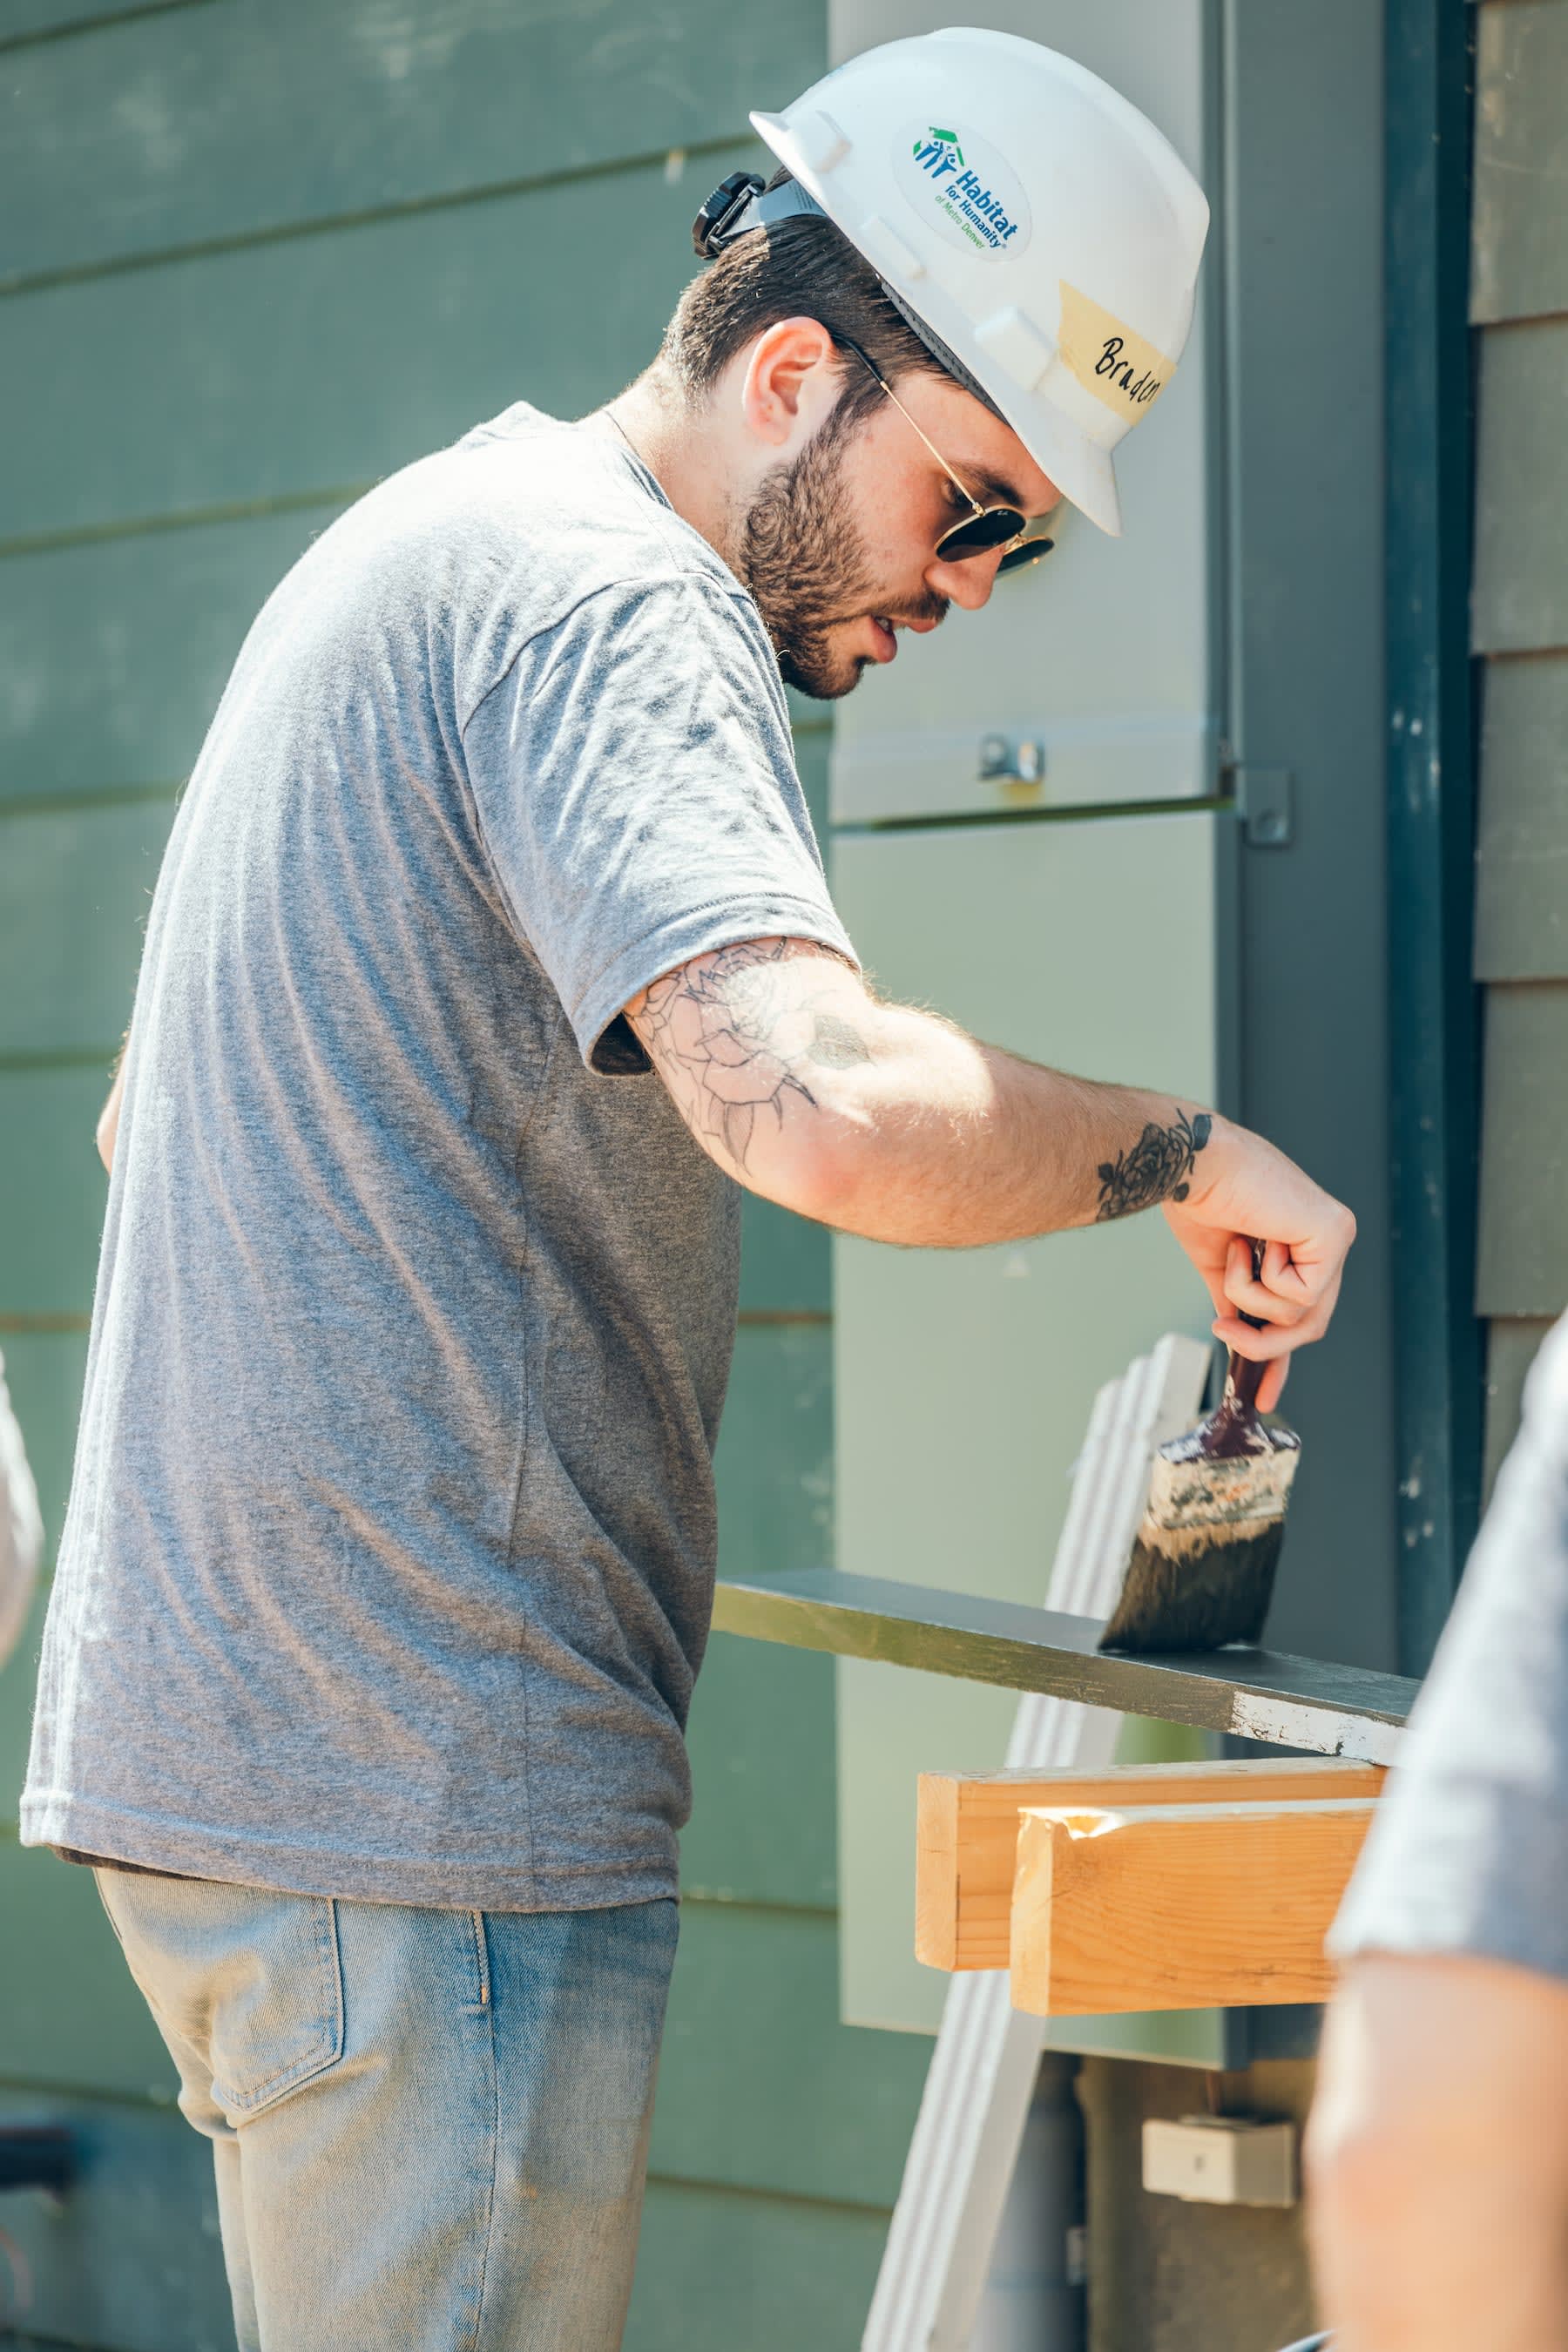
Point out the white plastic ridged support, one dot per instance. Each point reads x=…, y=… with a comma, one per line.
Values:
x=820, y=143
x=886, y=251
x=983, y=2068
x=1015, y=343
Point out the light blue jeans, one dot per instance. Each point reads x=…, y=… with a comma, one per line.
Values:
x=429, y=2128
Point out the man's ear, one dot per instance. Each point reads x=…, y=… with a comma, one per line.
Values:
x=790, y=382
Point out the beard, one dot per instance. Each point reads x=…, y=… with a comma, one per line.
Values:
x=809, y=570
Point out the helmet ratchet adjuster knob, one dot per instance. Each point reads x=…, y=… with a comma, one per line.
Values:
x=711, y=230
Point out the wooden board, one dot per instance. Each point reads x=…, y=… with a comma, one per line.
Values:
x=967, y=1832
x=1179, y=1906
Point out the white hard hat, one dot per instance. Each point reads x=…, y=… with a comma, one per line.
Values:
x=1037, y=230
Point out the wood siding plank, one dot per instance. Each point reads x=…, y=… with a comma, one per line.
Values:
x=1520, y=596
x=70, y=2017
x=75, y=889
x=762, y=2086
x=113, y=655
x=1523, y=1254
x=1521, y=851
x=130, y=2260
x=264, y=115
x=52, y=1189
x=1511, y=1348
x=1520, y=217
x=323, y=365
x=738, y=2273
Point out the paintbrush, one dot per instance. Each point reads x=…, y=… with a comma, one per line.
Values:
x=1202, y=1571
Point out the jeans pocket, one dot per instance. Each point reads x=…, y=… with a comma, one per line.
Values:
x=244, y=1986
x=278, y=2022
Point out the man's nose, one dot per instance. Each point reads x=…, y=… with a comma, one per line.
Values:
x=967, y=580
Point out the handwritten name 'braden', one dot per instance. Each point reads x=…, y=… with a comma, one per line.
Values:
x=1139, y=389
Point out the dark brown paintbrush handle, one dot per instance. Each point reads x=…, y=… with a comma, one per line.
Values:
x=1244, y=1377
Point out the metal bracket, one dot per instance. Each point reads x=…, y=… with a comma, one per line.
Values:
x=1004, y=762
x=1265, y=801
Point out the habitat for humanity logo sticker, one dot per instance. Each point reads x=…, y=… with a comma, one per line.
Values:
x=962, y=188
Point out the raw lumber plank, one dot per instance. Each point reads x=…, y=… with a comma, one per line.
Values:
x=1179, y=1906
x=967, y=1833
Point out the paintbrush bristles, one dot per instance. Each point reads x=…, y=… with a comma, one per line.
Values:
x=1185, y=1591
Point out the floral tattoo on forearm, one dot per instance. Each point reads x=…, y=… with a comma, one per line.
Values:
x=1155, y=1168
x=737, y=1039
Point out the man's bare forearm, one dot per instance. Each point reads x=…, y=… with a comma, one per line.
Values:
x=886, y=1121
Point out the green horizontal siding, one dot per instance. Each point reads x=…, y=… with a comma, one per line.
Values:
x=75, y=887
x=254, y=116
x=1521, y=855
x=1523, y=1265
x=1519, y=243
x=113, y=655
x=323, y=365
x=1520, y=599
x=51, y=1190
x=750, y=2275
x=131, y=2259
x=1519, y=297
x=762, y=2086
x=1511, y=1345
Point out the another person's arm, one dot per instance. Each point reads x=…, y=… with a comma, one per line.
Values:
x=883, y=1120
x=1437, y=2151
x=109, y=1116
x=1438, y=2157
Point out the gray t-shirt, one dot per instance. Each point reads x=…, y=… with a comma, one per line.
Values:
x=1470, y=1852
x=391, y=1543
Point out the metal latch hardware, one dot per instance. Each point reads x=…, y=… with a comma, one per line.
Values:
x=1265, y=801
x=1004, y=762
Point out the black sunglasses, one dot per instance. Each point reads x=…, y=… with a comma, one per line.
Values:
x=986, y=527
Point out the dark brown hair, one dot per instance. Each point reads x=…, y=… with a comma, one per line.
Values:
x=800, y=267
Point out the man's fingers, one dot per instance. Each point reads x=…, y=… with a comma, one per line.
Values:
x=1275, y=1341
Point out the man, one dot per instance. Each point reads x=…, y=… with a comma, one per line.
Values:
x=1439, y=2144
x=491, y=956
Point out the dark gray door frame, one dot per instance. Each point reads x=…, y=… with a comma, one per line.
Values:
x=1433, y=1004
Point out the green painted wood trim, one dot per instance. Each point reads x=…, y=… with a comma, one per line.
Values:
x=1325, y=1708
x=1434, y=1012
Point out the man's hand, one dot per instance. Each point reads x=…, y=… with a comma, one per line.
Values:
x=1242, y=1189
x=1437, y=2157
x=886, y=1121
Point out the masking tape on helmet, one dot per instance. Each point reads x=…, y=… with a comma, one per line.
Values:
x=1125, y=373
